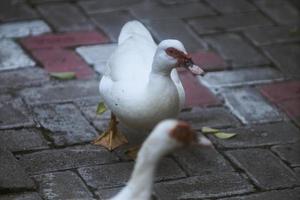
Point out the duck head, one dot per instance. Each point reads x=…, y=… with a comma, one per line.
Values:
x=171, y=54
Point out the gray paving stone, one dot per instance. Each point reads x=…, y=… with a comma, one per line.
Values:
x=206, y=186
x=97, y=55
x=250, y=107
x=236, y=50
x=202, y=161
x=289, y=153
x=62, y=185
x=212, y=117
x=155, y=11
x=15, y=10
x=95, y=6
x=272, y=34
x=254, y=162
x=289, y=194
x=239, y=77
x=66, y=124
x=12, y=56
x=13, y=113
x=12, y=175
x=174, y=2
x=175, y=28
x=114, y=175
x=108, y=193
x=279, y=10
x=232, y=6
x=22, y=140
x=23, y=196
x=65, y=17
x=297, y=172
x=23, y=29
x=112, y=22
x=260, y=135
x=15, y=79
x=61, y=92
x=286, y=57
x=229, y=22
x=67, y=158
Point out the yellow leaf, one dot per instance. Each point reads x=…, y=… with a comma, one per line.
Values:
x=63, y=75
x=101, y=108
x=209, y=130
x=223, y=135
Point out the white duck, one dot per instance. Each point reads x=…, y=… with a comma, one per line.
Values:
x=167, y=136
x=141, y=85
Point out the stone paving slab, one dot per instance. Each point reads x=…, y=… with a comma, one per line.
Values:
x=260, y=135
x=23, y=29
x=13, y=113
x=66, y=158
x=66, y=124
x=209, y=61
x=12, y=10
x=250, y=107
x=22, y=140
x=289, y=153
x=12, y=56
x=232, y=6
x=12, y=175
x=24, y=196
x=205, y=186
x=62, y=185
x=254, y=162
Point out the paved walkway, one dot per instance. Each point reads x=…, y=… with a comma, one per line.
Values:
x=250, y=49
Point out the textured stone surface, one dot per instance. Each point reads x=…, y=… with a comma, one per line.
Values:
x=15, y=10
x=290, y=194
x=63, y=60
x=250, y=76
x=229, y=22
x=289, y=153
x=195, y=93
x=209, y=61
x=13, y=113
x=62, y=185
x=67, y=158
x=260, y=135
x=276, y=175
x=12, y=175
x=23, y=29
x=22, y=139
x=175, y=28
x=271, y=35
x=97, y=55
x=65, y=17
x=106, y=176
x=202, y=161
x=96, y=6
x=66, y=124
x=250, y=107
x=66, y=92
x=24, y=196
x=203, y=186
x=70, y=39
x=15, y=79
x=232, y=6
x=235, y=50
x=285, y=57
x=211, y=117
x=279, y=10
x=291, y=107
x=12, y=56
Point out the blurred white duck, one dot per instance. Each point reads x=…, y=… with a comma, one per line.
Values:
x=167, y=136
x=141, y=85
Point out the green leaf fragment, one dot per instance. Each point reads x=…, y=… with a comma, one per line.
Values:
x=63, y=75
x=209, y=130
x=223, y=135
x=101, y=108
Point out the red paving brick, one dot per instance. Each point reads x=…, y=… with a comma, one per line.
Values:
x=209, y=61
x=63, y=60
x=196, y=94
x=291, y=107
x=278, y=92
x=64, y=40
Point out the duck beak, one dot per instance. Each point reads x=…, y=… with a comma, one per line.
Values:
x=195, y=69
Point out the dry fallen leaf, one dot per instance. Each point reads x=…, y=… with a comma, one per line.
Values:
x=63, y=75
x=101, y=108
x=223, y=135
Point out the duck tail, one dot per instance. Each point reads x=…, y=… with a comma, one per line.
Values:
x=132, y=28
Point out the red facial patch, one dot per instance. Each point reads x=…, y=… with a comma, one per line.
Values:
x=183, y=59
x=183, y=133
